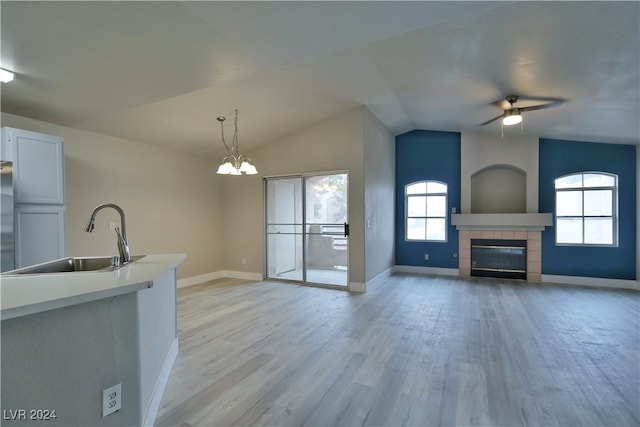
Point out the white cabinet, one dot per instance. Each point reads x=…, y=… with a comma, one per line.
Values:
x=39, y=197
x=40, y=234
x=38, y=166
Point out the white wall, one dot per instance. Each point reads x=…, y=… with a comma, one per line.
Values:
x=379, y=196
x=332, y=145
x=483, y=150
x=171, y=199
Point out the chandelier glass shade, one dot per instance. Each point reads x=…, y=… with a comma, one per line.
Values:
x=234, y=163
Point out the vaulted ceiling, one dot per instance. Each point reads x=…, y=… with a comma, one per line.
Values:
x=160, y=72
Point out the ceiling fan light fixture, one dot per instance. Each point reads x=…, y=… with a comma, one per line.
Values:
x=512, y=117
x=5, y=75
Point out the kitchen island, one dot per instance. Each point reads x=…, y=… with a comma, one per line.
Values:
x=66, y=337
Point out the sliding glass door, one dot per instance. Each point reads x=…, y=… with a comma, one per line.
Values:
x=284, y=228
x=307, y=228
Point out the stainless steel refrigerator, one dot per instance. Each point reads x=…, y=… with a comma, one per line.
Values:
x=6, y=210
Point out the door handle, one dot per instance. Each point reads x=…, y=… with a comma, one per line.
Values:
x=346, y=229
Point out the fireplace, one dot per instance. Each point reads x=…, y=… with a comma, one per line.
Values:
x=533, y=251
x=505, y=259
x=499, y=201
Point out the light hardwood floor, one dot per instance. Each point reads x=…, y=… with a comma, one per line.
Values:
x=414, y=351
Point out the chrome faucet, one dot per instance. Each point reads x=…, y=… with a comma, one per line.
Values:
x=123, y=244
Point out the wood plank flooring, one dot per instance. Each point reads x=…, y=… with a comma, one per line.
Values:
x=413, y=351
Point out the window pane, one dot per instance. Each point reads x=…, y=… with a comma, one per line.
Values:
x=436, y=229
x=417, y=188
x=598, y=202
x=599, y=180
x=569, y=203
x=569, y=230
x=415, y=229
x=571, y=181
x=416, y=206
x=436, y=206
x=436, y=187
x=598, y=231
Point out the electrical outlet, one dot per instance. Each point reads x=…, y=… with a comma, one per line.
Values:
x=111, y=399
x=112, y=226
x=426, y=257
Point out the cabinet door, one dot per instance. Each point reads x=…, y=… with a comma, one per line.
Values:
x=38, y=166
x=39, y=234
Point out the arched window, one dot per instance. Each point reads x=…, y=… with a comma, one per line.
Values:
x=426, y=211
x=586, y=209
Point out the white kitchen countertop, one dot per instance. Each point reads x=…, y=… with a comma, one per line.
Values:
x=21, y=295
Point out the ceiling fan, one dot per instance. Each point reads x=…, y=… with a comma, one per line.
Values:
x=512, y=114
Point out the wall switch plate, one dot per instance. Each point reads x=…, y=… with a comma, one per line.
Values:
x=426, y=257
x=111, y=399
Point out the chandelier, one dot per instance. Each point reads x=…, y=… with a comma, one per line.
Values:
x=234, y=163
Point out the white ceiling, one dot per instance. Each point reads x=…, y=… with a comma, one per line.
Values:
x=160, y=72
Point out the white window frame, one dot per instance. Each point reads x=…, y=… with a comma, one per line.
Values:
x=583, y=189
x=406, y=210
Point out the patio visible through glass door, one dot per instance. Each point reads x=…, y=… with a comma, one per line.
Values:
x=326, y=229
x=307, y=228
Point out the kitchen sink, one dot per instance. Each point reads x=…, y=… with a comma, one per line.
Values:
x=73, y=264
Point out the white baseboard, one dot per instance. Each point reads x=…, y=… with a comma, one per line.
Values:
x=357, y=287
x=546, y=278
x=244, y=275
x=590, y=281
x=190, y=281
x=426, y=270
x=158, y=390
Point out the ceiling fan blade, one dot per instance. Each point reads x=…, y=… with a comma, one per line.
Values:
x=492, y=120
x=523, y=102
x=554, y=103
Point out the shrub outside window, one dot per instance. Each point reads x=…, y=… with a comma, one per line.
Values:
x=426, y=211
x=586, y=209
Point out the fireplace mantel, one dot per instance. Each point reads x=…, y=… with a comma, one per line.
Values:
x=502, y=221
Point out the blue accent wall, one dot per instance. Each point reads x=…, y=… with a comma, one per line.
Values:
x=427, y=155
x=558, y=158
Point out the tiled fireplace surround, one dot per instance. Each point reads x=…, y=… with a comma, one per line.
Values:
x=534, y=249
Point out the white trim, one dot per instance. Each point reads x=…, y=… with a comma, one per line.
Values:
x=190, y=281
x=547, y=279
x=599, y=282
x=426, y=194
x=357, y=287
x=426, y=270
x=156, y=396
x=303, y=174
x=222, y=274
x=380, y=277
x=244, y=275
x=518, y=221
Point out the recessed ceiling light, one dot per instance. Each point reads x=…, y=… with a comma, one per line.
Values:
x=5, y=75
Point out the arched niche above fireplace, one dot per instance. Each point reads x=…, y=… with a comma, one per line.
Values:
x=499, y=189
